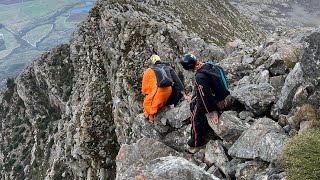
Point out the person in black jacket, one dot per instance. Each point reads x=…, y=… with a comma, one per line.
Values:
x=207, y=94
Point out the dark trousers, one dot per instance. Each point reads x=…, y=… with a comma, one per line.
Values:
x=174, y=98
x=199, y=128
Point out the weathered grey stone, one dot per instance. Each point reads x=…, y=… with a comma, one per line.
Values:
x=314, y=98
x=293, y=132
x=190, y=158
x=250, y=120
x=177, y=139
x=166, y=168
x=292, y=82
x=310, y=58
x=226, y=144
x=256, y=98
x=287, y=128
x=263, y=77
x=277, y=83
x=304, y=125
x=268, y=173
x=215, y=171
x=259, y=61
x=142, y=127
x=279, y=176
x=245, y=81
x=248, y=169
x=283, y=49
x=215, y=155
x=159, y=126
x=301, y=96
x=264, y=139
x=276, y=65
x=175, y=117
x=203, y=166
x=231, y=46
x=244, y=114
x=283, y=120
x=229, y=126
x=248, y=59
x=199, y=156
x=235, y=70
x=143, y=151
x=233, y=165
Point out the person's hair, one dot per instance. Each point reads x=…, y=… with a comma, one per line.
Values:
x=154, y=59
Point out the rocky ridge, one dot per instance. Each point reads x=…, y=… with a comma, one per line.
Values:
x=76, y=111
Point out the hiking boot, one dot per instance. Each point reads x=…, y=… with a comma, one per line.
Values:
x=198, y=144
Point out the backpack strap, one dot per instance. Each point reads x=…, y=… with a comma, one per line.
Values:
x=210, y=63
x=223, y=78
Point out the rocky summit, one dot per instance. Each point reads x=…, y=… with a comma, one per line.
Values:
x=76, y=112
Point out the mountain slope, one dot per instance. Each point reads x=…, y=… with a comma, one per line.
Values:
x=66, y=114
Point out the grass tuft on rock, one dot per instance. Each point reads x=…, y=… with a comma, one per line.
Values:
x=301, y=156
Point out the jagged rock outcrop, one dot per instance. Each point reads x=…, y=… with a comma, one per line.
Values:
x=263, y=140
x=215, y=155
x=71, y=111
x=292, y=82
x=256, y=98
x=310, y=60
x=229, y=126
x=310, y=65
x=150, y=159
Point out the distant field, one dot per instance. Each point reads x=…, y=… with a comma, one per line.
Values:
x=42, y=23
x=76, y=17
x=61, y=24
x=36, y=34
x=10, y=43
x=8, y=2
x=30, y=9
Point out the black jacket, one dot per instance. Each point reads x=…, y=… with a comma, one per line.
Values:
x=177, y=86
x=209, y=84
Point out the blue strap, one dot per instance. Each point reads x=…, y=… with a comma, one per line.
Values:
x=210, y=62
x=223, y=79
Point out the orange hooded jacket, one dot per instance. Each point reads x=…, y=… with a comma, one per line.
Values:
x=156, y=96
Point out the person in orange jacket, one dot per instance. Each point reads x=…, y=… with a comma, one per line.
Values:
x=156, y=97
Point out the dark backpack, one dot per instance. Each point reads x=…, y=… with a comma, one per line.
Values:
x=221, y=89
x=163, y=75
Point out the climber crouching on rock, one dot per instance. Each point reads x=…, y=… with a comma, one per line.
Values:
x=161, y=86
x=207, y=97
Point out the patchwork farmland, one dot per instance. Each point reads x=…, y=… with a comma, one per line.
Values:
x=31, y=27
